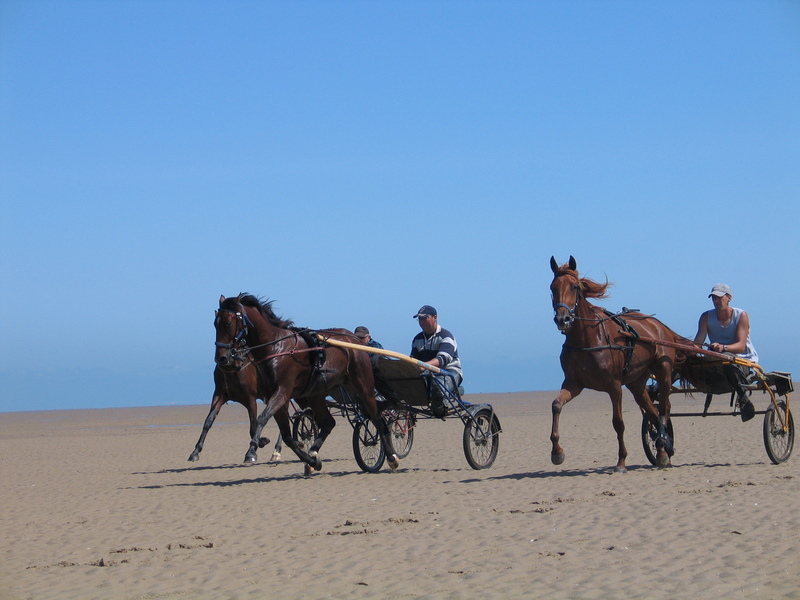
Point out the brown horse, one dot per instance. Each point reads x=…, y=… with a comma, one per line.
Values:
x=600, y=353
x=240, y=386
x=290, y=364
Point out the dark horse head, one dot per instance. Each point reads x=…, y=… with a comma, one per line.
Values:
x=568, y=288
x=235, y=327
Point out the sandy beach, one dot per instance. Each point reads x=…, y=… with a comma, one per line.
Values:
x=102, y=504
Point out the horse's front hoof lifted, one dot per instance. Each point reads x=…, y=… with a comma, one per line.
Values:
x=193, y=456
x=263, y=442
x=394, y=462
x=557, y=459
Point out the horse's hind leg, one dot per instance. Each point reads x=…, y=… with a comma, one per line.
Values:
x=650, y=412
x=565, y=395
x=619, y=427
x=276, y=453
x=664, y=446
x=382, y=428
x=325, y=424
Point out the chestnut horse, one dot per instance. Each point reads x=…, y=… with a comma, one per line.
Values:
x=290, y=364
x=600, y=353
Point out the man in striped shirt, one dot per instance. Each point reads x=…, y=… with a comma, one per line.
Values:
x=436, y=346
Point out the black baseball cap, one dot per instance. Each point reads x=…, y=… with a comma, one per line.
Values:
x=425, y=311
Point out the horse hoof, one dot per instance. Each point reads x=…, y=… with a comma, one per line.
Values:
x=394, y=462
x=662, y=460
x=557, y=459
x=307, y=470
x=317, y=464
x=619, y=469
x=194, y=456
x=250, y=458
x=263, y=442
x=276, y=457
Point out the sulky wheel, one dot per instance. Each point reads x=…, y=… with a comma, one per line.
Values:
x=401, y=428
x=481, y=439
x=304, y=430
x=367, y=446
x=778, y=442
x=649, y=437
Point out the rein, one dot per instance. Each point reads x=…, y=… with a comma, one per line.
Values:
x=243, y=353
x=631, y=335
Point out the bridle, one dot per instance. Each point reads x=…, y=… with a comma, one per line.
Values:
x=570, y=318
x=238, y=345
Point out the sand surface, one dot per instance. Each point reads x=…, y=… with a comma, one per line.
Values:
x=102, y=504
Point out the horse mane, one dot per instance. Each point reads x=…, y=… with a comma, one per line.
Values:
x=589, y=287
x=264, y=307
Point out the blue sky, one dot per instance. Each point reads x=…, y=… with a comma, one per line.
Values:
x=354, y=160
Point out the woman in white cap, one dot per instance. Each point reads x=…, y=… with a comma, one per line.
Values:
x=728, y=331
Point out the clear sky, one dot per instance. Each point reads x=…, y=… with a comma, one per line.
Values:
x=354, y=160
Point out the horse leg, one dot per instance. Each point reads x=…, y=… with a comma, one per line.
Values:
x=216, y=404
x=325, y=424
x=276, y=453
x=664, y=448
x=371, y=406
x=619, y=426
x=645, y=403
x=310, y=458
x=363, y=381
x=566, y=394
x=274, y=404
x=252, y=411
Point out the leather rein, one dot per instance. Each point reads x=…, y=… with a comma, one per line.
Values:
x=631, y=335
x=241, y=350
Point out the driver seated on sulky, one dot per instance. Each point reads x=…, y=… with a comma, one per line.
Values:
x=436, y=346
x=728, y=331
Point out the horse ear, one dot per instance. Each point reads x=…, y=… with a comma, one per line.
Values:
x=553, y=264
x=221, y=300
x=572, y=264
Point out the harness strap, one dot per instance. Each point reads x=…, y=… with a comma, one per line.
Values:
x=630, y=338
x=631, y=335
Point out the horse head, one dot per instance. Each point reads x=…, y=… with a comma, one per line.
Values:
x=232, y=325
x=566, y=292
x=568, y=289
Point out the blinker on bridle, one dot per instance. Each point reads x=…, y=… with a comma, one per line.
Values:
x=241, y=333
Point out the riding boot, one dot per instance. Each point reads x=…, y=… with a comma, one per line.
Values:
x=748, y=411
x=437, y=402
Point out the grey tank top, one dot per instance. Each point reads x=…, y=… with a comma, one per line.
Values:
x=727, y=335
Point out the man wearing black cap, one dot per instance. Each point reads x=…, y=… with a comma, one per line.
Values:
x=728, y=331
x=436, y=346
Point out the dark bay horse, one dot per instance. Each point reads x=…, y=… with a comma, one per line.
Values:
x=600, y=353
x=290, y=364
x=239, y=386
